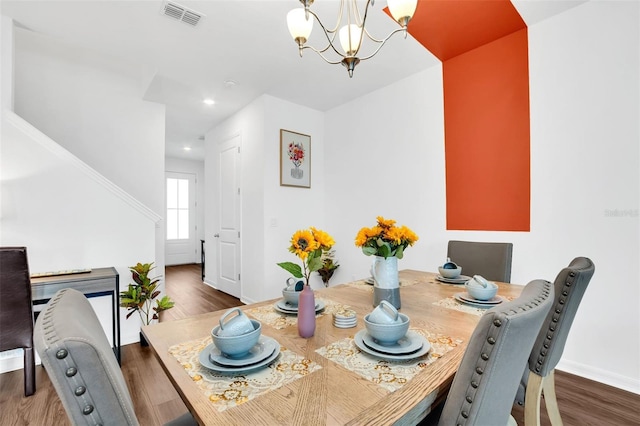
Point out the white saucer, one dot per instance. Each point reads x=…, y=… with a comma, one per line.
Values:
x=411, y=342
x=338, y=325
x=262, y=350
x=461, y=279
x=281, y=306
x=206, y=362
x=465, y=299
x=357, y=339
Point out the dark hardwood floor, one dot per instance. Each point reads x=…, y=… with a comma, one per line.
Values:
x=582, y=402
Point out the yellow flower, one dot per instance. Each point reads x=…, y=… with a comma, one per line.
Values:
x=385, y=223
x=324, y=240
x=303, y=243
x=385, y=239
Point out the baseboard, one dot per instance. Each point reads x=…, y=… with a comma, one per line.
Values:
x=619, y=381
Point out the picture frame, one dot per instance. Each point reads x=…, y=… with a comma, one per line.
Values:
x=295, y=159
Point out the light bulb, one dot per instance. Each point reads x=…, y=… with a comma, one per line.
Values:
x=402, y=10
x=350, y=39
x=299, y=26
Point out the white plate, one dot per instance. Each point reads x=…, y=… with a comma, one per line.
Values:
x=476, y=304
x=426, y=347
x=206, y=362
x=280, y=306
x=262, y=350
x=496, y=300
x=411, y=342
x=460, y=280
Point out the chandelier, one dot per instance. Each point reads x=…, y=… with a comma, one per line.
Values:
x=351, y=34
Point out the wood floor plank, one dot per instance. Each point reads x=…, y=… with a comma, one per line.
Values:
x=582, y=402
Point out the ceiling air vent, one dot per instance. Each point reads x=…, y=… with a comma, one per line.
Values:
x=181, y=13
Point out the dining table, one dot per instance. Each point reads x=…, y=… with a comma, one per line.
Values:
x=326, y=379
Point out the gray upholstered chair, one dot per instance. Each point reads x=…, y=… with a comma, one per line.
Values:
x=570, y=285
x=16, y=312
x=487, y=380
x=81, y=364
x=490, y=260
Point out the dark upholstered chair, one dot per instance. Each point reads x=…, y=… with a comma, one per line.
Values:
x=490, y=260
x=487, y=380
x=16, y=312
x=81, y=364
x=570, y=285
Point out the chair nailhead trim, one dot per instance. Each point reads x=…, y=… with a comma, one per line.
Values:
x=465, y=414
x=71, y=371
x=469, y=399
x=484, y=356
x=474, y=384
x=491, y=340
x=88, y=409
x=479, y=370
x=497, y=322
x=62, y=354
x=80, y=390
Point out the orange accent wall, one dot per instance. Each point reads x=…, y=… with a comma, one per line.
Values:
x=486, y=104
x=484, y=49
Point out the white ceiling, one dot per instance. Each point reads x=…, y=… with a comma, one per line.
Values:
x=239, y=40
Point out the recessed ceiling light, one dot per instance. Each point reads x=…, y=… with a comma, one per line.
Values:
x=230, y=83
x=209, y=101
x=187, y=148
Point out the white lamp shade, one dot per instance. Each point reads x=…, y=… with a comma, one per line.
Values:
x=299, y=25
x=350, y=38
x=402, y=8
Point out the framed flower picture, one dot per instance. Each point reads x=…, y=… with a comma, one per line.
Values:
x=295, y=159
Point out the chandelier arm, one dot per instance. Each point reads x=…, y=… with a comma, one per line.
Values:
x=329, y=39
x=319, y=52
x=335, y=29
x=359, y=20
x=382, y=43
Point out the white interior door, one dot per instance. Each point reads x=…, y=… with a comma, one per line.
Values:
x=228, y=236
x=180, y=242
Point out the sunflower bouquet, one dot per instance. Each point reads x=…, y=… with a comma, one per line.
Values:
x=385, y=239
x=308, y=245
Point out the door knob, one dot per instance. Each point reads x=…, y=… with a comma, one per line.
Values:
x=216, y=235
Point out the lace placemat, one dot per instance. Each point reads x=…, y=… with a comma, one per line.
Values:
x=452, y=303
x=229, y=390
x=278, y=320
x=390, y=375
x=363, y=283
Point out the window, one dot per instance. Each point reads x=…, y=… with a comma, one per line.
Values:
x=177, y=209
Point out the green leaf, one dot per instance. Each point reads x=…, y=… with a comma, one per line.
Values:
x=292, y=268
x=369, y=251
x=315, y=263
x=385, y=250
x=400, y=252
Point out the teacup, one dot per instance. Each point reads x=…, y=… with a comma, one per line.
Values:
x=384, y=313
x=291, y=296
x=236, y=326
x=237, y=346
x=294, y=284
x=387, y=334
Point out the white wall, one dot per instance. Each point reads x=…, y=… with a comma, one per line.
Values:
x=106, y=134
x=6, y=63
x=263, y=199
x=67, y=215
x=386, y=154
x=196, y=168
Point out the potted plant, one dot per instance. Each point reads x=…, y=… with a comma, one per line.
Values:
x=329, y=266
x=141, y=294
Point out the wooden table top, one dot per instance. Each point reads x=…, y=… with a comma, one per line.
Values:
x=332, y=395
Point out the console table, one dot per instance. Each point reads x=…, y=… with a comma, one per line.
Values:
x=98, y=282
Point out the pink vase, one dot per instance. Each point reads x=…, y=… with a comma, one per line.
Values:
x=306, y=312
